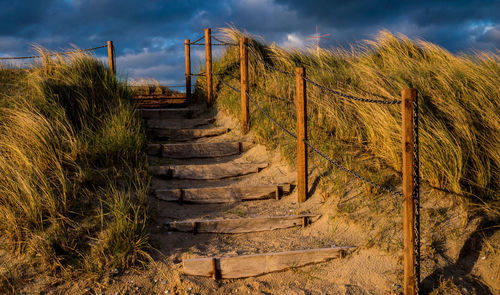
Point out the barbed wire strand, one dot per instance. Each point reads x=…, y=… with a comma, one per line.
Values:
x=54, y=54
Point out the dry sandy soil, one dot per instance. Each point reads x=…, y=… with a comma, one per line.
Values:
x=460, y=251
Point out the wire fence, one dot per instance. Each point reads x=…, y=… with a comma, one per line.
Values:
x=53, y=54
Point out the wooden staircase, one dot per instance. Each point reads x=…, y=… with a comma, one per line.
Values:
x=200, y=172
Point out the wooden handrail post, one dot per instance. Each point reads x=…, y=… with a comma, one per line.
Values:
x=208, y=57
x=301, y=103
x=409, y=97
x=111, y=57
x=244, y=84
x=187, y=50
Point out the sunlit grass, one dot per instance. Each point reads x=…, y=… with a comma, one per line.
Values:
x=458, y=98
x=74, y=180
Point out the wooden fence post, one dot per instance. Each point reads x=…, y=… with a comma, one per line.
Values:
x=208, y=57
x=301, y=103
x=244, y=84
x=111, y=57
x=409, y=96
x=187, y=50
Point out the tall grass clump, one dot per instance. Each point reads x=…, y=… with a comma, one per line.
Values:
x=74, y=181
x=458, y=98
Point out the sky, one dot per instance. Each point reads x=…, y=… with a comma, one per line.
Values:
x=149, y=34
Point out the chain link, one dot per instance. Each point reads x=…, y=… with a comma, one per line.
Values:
x=352, y=97
x=258, y=106
x=345, y=169
x=223, y=42
x=196, y=41
x=416, y=193
x=335, y=163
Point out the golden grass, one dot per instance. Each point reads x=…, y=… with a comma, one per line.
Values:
x=74, y=176
x=458, y=98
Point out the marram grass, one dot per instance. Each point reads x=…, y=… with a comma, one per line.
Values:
x=74, y=180
x=459, y=102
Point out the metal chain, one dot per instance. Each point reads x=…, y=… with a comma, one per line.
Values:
x=348, y=96
x=197, y=40
x=54, y=54
x=394, y=101
x=416, y=193
x=267, y=64
x=258, y=106
x=335, y=163
x=345, y=169
x=223, y=42
x=199, y=74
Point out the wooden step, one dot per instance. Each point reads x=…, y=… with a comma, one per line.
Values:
x=169, y=103
x=179, y=113
x=232, y=267
x=197, y=150
x=178, y=123
x=208, y=171
x=241, y=225
x=185, y=134
x=225, y=194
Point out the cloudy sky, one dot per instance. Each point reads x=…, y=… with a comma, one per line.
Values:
x=149, y=34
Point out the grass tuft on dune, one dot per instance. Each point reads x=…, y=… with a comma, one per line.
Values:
x=74, y=177
x=458, y=98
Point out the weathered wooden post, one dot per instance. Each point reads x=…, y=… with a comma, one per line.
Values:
x=409, y=97
x=208, y=57
x=111, y=57
x=301, y=103
x=244, y=84
x=187, y=51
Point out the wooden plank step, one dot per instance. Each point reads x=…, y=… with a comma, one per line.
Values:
x=185, y=134
x=179, y=123
x=155, y=104
x=225, y=194
x=179, y=113
x=173, y=96
x=242, y=266
x=241, y=225
x=197, y=150
x=208, y=171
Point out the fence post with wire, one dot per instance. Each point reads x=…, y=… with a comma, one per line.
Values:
x=301, y=104
x=208, y=65
x=410, y=195
x=244, y=84
x=187, y=51
x=109, y=45
x=111, y=57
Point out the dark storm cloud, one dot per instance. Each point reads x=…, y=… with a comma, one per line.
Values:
x=149, y=34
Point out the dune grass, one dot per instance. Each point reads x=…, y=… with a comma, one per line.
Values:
x=74, y=180
x=458, y=98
